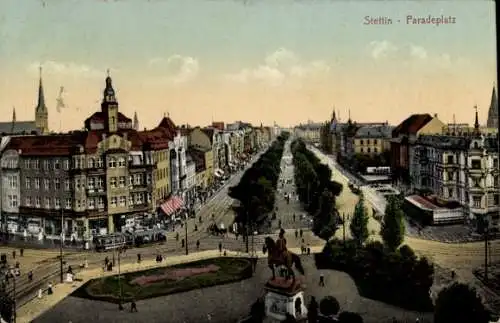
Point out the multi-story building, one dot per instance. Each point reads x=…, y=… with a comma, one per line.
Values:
x=203, y=158
x=310, y=131
x=461, y=168
x=372, y=138
x=404, y=135
x=190, y=190
x=90, y=180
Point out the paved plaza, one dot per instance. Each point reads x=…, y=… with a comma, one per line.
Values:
x=226, y=303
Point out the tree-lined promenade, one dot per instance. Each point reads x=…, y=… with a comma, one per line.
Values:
x=257, y=187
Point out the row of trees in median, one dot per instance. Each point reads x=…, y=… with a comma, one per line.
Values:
x=316, y=190
x=256, y=189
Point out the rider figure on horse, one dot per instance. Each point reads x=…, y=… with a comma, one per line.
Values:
x=281, y=245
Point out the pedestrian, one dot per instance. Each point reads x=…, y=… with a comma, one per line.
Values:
x=453, y=274
x=220, y=247
x=296, y=234
x=279, y=224
x=200, y=219
x=177, y=236
x=294, y=217
x=21, y=252
x=49, y=289
x=30, y=275
x=197, y=244
x=14, y=254
x=308, y=251
x=321, y=280
x=138, y=258
x=182, y=243
x=106, y=261
x=301, y=233
x=133, y=307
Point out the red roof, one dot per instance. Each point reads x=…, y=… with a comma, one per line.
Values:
x=167, y=123
x=411, y=125
x=422, y=201
x=52, y=145
x=100, y=116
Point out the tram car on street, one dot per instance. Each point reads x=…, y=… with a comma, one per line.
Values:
x=110, y=242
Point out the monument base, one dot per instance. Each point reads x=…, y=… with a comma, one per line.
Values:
x=285, y=297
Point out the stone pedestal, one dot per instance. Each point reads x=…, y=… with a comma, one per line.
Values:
x=282, y=297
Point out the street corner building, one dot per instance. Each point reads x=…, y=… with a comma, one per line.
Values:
x=89, y=182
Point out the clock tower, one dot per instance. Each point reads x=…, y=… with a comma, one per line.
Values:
x=109, y=106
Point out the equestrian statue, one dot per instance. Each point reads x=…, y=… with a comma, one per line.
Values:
x=278, y=255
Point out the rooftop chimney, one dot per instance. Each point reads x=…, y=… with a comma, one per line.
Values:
x=435, y=115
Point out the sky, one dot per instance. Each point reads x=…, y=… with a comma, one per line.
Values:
x=259, y=61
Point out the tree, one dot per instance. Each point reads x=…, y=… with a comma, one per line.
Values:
x=329, y=306
x=460, y=303
x=325, y=221
x=350, y=317
x=359, y=222
x=326, y=142
x=393, y=229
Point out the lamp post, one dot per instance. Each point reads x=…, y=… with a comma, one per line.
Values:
x=120, y=302
x=61, y=247
x=186, y=238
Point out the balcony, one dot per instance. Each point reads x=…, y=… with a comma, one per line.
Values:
x=140, y=188
x=143, y=165
x=97, y=213
x=96, y=171
x=476, y=171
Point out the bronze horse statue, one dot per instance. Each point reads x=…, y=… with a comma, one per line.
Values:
x=277, y=257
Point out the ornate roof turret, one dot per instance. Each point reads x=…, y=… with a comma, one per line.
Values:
x=136, y=121
x=476, y=122
x=108, y=95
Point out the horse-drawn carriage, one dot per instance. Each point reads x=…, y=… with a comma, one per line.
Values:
x=215, y=230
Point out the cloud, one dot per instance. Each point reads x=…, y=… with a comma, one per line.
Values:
x=66, y=69
x=380, y=49
x=177, y=69
x=280, y=67
x=418, y=52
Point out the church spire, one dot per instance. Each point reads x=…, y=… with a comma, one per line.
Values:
x=492, y=121
x=14, y=115
x=41, y=97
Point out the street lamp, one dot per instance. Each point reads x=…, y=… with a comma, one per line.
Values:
x=120, y=302
x=61, y=247
x=186, y=238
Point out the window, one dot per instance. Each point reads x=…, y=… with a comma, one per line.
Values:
x=138, y=199
x=57, y=203
x=450, y=176
x=57, y=164
x=148, y=178
x=123, y=201
x=46, y=184
x=121, y=162
x=78, y=163
x=68, y=203
x=477, y=201
x=495, y=181
x=112, y=162
x=361, y=142
x=78, y=204
x=66, y=164
x=375, y=150
x=91, y=204
x=27, y=164
x=91, y=163
x=57, y=184
x=100, y=182
x=130, y=200
x=100, y=203
x=368, y=150
x=13, y=201
x=149, y=197
x=78, y=184
x=113, y=201
x=122, y=181
x=496, y=199
x=46, y=164
x=368, y=142
x=450, y=159
x=495, y=162
x=91, y=183
x=137, y=179
x=99, y=162
x=38, y=201
x=67, y=185
x=476, y=164
x=36, y=164
x=112, y=182
x=47, y=203
x=29, y=200
x=361, y=149
x=131, y=180
x=450, y=192
x=375, y=141
x=13, y=181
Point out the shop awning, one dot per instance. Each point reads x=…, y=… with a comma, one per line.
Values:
x=173, y=204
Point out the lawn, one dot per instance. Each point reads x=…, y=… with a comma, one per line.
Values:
x=167, y=280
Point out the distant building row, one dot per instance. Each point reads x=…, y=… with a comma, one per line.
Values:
x=98, y=177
